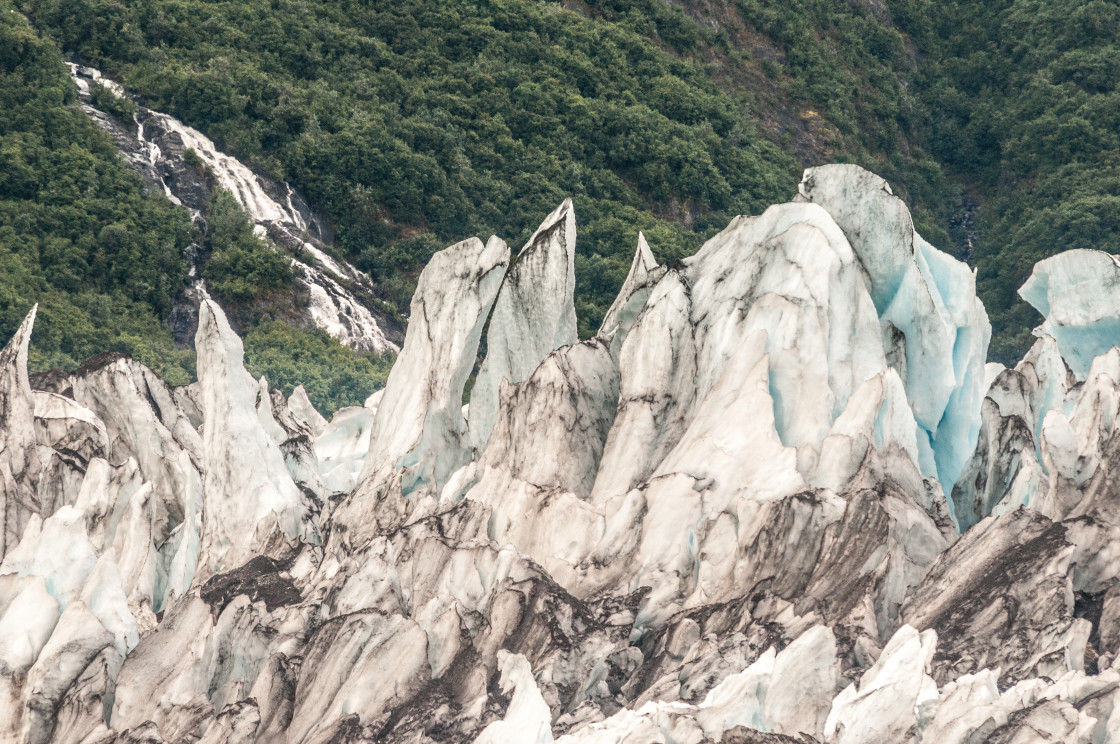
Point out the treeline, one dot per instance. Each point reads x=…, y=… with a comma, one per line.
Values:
x=105, y=260
x=416, y=123
x=413, y=124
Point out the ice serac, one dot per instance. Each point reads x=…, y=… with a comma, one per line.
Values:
x=1049, y=423
x=418, y=434
x=753, y=390
x=250, y=497
x=19, y=457
x=723, y=519
x=301, y=406
x=151, y=439
x=342, y=447
x=551, y=428
x=533, y=315
x=620, y=317
x=528, y=718
x=1002, y=598
x=782, y=694
x=891, y=698
x=1078, y=293
x=935, y=330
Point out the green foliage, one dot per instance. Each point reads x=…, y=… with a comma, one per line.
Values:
x=1025, y=98
x=108, y=101
x=333, y=375
x=849, y=64
x=78, y=234
x=452, y=119
x=242, y=267
x=415, y=124
x=104, y=260
x=192, y=158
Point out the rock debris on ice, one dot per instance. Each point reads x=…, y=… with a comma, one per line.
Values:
x=778, y=498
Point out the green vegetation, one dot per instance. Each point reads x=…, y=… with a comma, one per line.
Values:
x=109, y=102
x=1025, y=98
x=253, y=280
x=104, y=260
x=833, y=79
x=77, y=233
x=242, y=268
x=333, y=375
x=414, y=124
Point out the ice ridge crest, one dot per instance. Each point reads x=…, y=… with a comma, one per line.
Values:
x=734, y=515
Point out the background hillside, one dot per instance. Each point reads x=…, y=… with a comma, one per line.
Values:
x=412, y=124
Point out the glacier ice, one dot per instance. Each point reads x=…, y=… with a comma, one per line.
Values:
x=418, y=426
x=620, y=316
x=19, y=456
x=926, y=296
x=250, y=495
x=734, y=515
x=1078, y=293
x=534, y=313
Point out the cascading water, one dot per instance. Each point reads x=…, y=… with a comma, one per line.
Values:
x=338, y=294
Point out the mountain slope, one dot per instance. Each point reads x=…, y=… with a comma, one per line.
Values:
x=415, y=124
x=1024, y=101
x=77, y=232
x=107, y=261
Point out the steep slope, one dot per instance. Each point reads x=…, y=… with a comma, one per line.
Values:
x=412, y=124
x=112, y=262
x=735, y=524
x=184, y=165
x=409, y=126
x=78, y=235
x=1022, y=99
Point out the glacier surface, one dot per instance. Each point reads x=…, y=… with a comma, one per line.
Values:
x=779, y=497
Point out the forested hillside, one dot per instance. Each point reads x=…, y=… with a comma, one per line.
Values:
x=1024, y=102
x=105, y=260
x=77, y=232
x=413, y=124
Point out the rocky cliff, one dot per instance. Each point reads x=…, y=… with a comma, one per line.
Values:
x=778, y=497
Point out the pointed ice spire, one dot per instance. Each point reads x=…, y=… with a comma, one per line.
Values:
x=644, y=273
x=19, y=460
x=534, y=315
x=929, y=298
x=300, y=405
x=419, y=422
x=247, y=483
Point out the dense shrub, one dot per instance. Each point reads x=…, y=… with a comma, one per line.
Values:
x=333, y=375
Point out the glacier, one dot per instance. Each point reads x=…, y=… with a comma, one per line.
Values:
x=778, y=497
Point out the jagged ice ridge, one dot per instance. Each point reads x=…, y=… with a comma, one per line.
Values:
x=779, y=497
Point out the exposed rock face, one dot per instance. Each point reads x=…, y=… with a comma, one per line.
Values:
x=723, y=519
